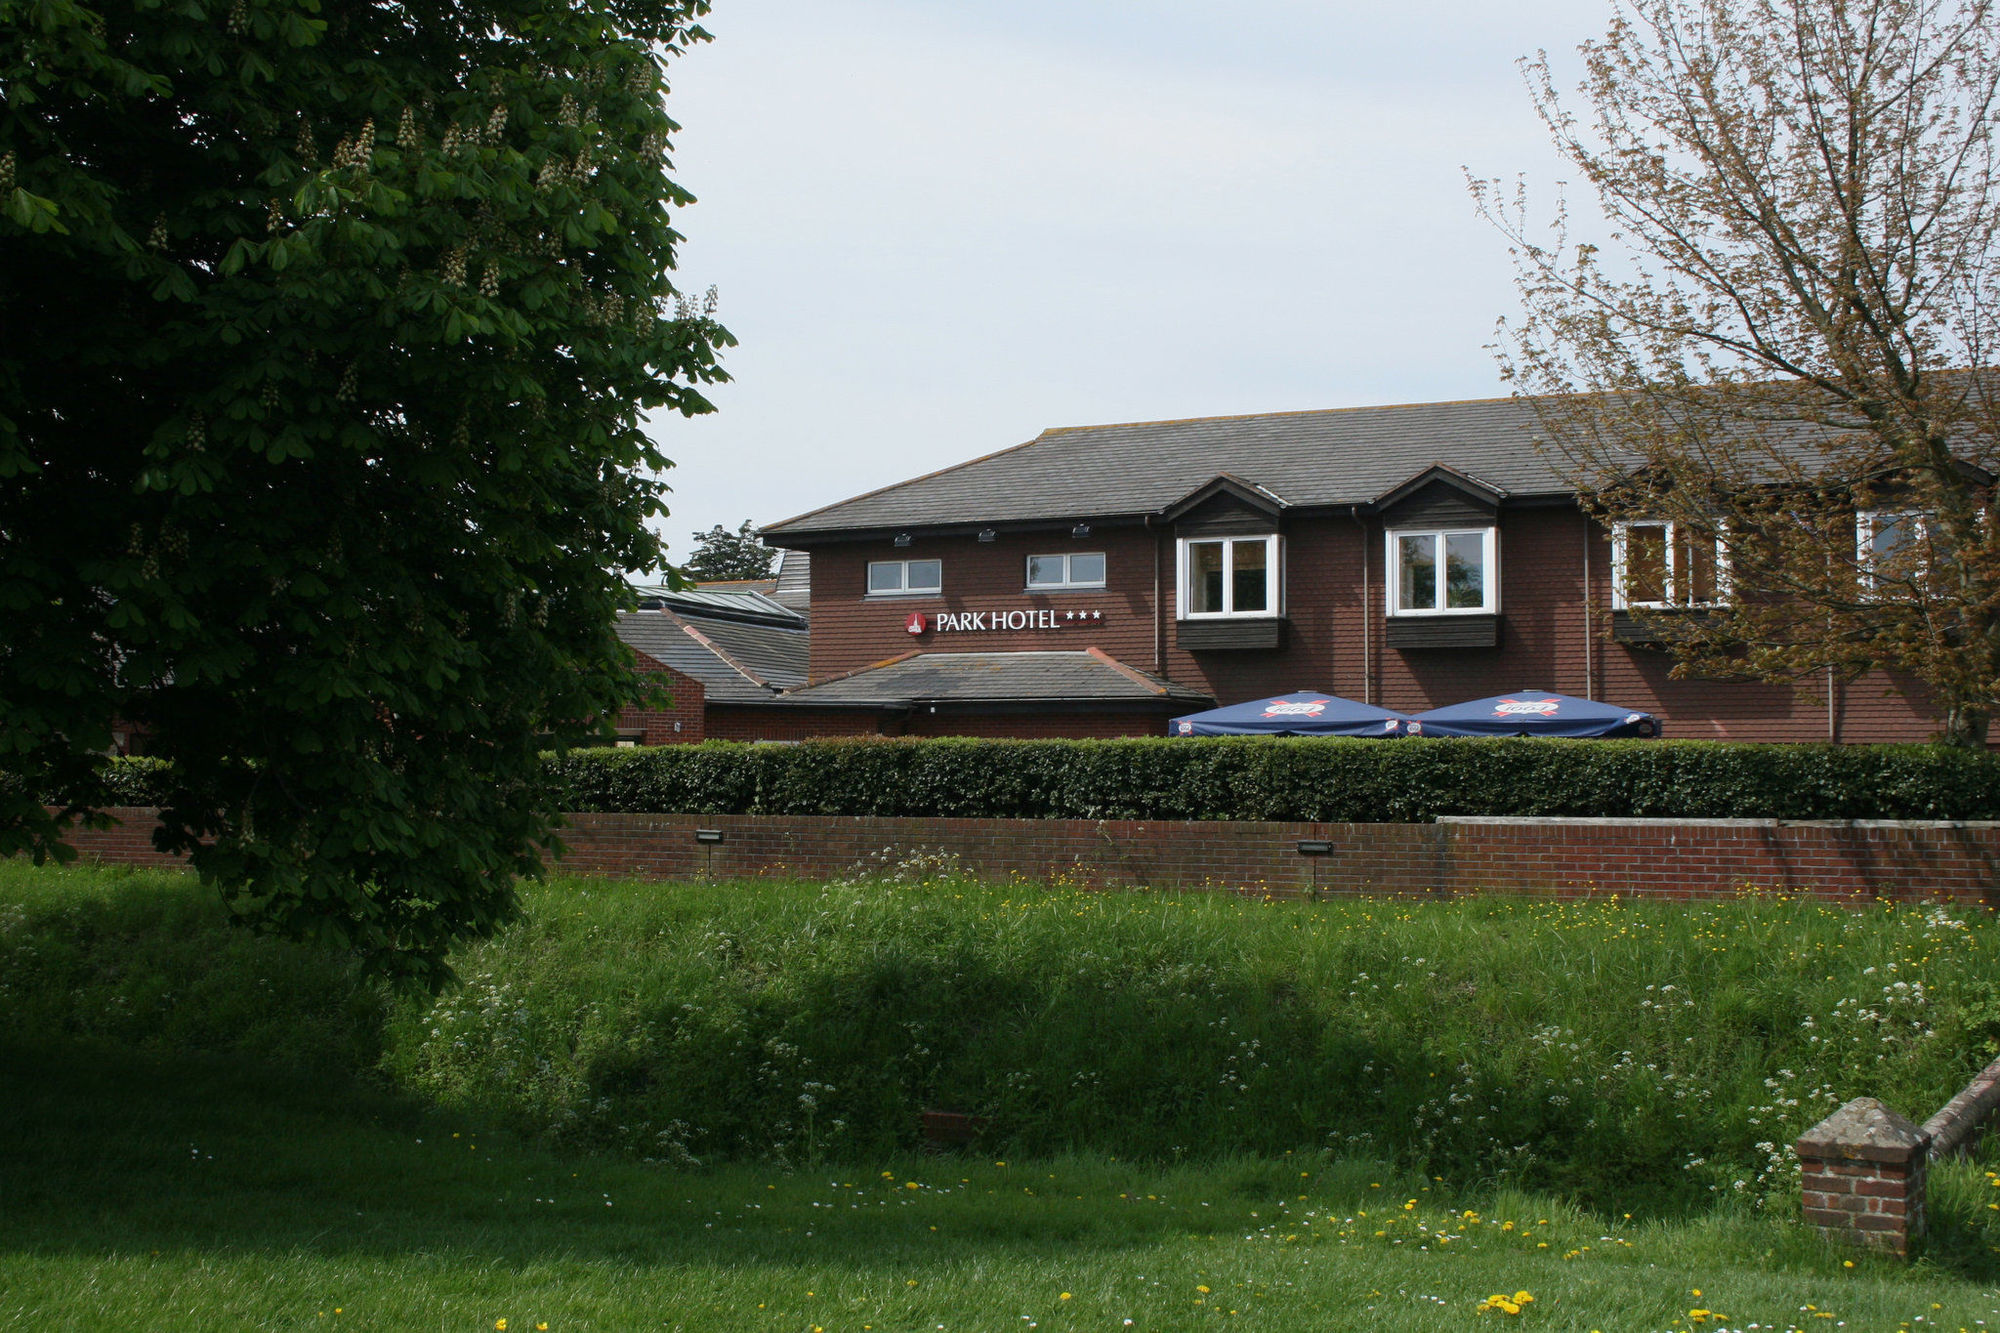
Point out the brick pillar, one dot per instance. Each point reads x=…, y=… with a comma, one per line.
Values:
x=1862, y=1174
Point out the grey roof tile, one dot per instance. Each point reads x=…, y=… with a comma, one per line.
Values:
x=1046, y=677
x=754, y=661
x=1337, y=457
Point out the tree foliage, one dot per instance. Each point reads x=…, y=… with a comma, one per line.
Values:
x=722, y=554
x=1782, y=347
x=325, y=338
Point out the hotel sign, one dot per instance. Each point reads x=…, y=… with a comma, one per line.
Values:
x=964, y=622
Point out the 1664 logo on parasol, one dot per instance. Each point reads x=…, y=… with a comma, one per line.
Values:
x=1525, y=707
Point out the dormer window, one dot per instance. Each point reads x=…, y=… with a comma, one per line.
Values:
x=1442, y=572
x=1657, y=564
x=1228, y=576
x=1888, y=544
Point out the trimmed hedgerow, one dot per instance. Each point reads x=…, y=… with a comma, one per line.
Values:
x=1360, y=781
x=1331, y=780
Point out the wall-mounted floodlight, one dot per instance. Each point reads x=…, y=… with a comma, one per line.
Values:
x=902, y=539
x=988, y=535
x=1080, y=531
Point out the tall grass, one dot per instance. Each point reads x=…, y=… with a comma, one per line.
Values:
x=1626, y=1054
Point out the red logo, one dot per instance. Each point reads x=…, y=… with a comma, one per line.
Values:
x=915, y=624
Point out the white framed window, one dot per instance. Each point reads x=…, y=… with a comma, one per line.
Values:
x=905, y=578
x=1446, y=572
x=1229, y=576
x=1888, y=543
x=1078, y=569
x=1657, y=563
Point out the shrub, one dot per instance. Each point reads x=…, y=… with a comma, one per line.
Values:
x=1331, y=780
x=1357, y=781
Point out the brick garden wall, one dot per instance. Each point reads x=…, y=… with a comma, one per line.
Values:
x=1677, y=859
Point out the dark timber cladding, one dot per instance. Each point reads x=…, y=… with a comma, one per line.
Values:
x=1409, y=556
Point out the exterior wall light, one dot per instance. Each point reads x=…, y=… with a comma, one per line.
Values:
x=902, y=539
x=1080, y=531
x=988, y=535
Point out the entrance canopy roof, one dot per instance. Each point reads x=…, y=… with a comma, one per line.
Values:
x=973, y=680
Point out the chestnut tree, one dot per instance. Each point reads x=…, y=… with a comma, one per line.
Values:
x=327, y=336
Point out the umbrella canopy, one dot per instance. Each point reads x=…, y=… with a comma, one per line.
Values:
x=1301, y=714
x=1533, y=713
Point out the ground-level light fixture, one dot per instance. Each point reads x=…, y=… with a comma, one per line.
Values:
x=1313, y=849
x=708, y=839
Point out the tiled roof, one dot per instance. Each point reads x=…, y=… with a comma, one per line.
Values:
x=794, y=581
x=736, y=661
x=1345, y=456
x=1025, y=677
x=736, y=601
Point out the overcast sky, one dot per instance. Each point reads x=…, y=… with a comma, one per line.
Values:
x=938, y=226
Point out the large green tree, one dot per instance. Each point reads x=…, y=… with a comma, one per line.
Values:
x=722, y=554
x=326, y=335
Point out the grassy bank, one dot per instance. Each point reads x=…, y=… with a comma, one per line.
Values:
x=1632, y=1056
x=204, y=1129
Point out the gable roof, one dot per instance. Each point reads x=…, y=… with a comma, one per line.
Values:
x=1345, y=456
x=736, y=661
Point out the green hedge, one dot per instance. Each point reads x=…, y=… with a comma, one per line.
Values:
x=1330, y=780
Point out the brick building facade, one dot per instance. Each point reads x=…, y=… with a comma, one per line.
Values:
x=1410, y=557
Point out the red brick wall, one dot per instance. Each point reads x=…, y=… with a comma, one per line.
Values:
x=682, y=722
x=1099, y=725
x=732, y=723
x=1672, y=859
x=1543, y=630
x=851, y=631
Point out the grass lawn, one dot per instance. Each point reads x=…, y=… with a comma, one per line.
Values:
x=206, y=1195
x=202, y=1130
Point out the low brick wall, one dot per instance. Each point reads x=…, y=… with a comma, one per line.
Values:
x=1683, y=859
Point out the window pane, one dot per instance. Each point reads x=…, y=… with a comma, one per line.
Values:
x=1694, y=569
x=885, y=576
x=1465, y=570
x=1890, y=538
x=1204, y=577
x=1044, y=570
x=1247, y=576
x=1646, y=563
x=926, y=574
x=1416, y=557
x=1086, y=568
